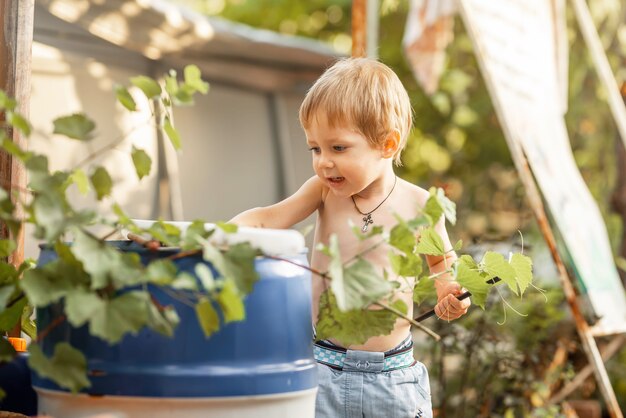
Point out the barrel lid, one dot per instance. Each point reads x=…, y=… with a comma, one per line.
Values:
x=269, y=241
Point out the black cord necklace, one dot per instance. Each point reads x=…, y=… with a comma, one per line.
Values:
x=367, y=217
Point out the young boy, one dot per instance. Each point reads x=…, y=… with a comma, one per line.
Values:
x=357, y=117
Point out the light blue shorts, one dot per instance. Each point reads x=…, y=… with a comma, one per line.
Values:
x=362, y=388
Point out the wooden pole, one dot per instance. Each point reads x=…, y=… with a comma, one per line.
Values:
x=534, y=198
x=586, y=336
x=590, y=34
x=371, y=36
x=16, y=38
x=359, y=25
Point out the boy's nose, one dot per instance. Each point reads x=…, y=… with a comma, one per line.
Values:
x=325, y=162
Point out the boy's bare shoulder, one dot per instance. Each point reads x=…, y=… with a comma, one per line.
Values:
x=415, y=192
x=414, y=196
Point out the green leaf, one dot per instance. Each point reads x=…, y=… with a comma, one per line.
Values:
x=14, y=149
x=207, y=317
x=28, y=325
x=49, y=211
x=147, y=85
x=474, y=282
x=406, y=266
x=123, y=218
x=102, y=183
x=67, y=367
x=448, y=206
x=161, y=272
x=231, y=303
x=125, y=99
x=7, y=352
x=424, y=289
x=166, y=233
x=195, y=234
x=105, y=264
x=360, y=286
x=81, y=305
x=205, y=275
x=458, y=245
x=523, y=267
x=7, y=293
x=236, y=263
x=142, y=162
x=468, y=261
x=402, y=238
x=44, y=285
x=171, y=84
x=76, y=126
x=432, y=208
x=7, y=246
x=226, y=227
x=19, y=122
x=430, y=242
x=495, y=265
x=193, y=78
x=6, y=102
x=162, y=320
x=79, y=178
x=12, y=315
x=127, y=313
x=172, y=134
x=185, y=281
x=354, y=326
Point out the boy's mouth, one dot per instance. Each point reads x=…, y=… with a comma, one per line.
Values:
x=335, y=180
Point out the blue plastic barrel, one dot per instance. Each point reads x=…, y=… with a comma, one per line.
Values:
x=266, y=357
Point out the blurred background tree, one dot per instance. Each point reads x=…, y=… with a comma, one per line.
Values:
x=457, y=144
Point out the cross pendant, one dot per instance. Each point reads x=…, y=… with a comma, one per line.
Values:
x=366, y=221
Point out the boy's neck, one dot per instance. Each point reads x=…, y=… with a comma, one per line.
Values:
x=380, y=187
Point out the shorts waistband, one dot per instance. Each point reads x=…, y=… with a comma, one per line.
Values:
x=364, y=361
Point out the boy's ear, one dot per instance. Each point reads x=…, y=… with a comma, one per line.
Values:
x=391, y=144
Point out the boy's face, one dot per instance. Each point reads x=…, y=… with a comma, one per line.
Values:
x=345, y=161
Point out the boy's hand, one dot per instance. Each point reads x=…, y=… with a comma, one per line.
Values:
x=448, y=306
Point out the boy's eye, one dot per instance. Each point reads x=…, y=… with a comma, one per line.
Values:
x=316, y=150
x=339, y=148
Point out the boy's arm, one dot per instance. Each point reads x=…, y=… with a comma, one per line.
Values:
x=448, y=306
x=286, y=213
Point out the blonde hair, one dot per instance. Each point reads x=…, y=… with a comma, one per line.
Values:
x=364, y=93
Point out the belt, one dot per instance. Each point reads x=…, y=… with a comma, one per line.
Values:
x=335, y=357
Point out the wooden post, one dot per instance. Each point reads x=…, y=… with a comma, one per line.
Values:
x=588, y=342
x=359, y=24
x=16, y=38
x=371, y=36
x=590, y=34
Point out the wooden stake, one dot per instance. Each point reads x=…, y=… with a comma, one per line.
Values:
x=590, y=34
x=16, y=38
x=359, y=25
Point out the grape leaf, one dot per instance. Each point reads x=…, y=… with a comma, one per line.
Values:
x=147, y=85
x=523, y=267
x=207, y=317
x=142, y=162
x=360, y=286
x=67, y=367
x=474, y=282
x=231, y=302
x=496, y=266
x=354, y=326
x=430, y=242
x=76, y=126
